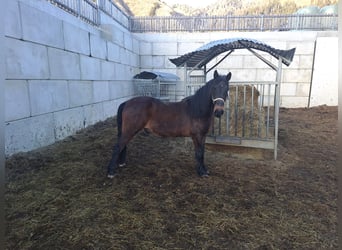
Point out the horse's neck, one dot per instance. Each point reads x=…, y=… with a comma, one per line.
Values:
x=201, y=106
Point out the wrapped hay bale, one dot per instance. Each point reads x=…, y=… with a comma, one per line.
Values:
x=246, y=116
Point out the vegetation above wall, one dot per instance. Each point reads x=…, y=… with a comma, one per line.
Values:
x=221, y=7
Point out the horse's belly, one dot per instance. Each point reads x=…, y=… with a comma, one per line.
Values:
x=169, y=128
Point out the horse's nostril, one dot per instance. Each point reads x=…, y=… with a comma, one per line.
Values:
x=218, y=113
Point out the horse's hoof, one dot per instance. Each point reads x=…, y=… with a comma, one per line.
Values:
x=110, y=176
x=121, y=165
x=205, y=175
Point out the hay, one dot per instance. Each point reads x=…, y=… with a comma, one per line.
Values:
x=58, y=197
x=246, y=119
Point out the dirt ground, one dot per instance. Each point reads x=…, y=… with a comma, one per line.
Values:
x=58, y=197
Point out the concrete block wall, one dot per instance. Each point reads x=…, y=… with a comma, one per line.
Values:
x=157, y=48
x=61, y=73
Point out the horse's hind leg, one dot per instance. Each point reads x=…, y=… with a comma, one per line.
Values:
x=122, y=157
x=113, y=162
x=118, y=155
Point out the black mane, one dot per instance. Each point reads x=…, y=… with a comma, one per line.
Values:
x=200, y=104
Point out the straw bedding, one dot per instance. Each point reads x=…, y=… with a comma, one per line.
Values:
x=58, y=197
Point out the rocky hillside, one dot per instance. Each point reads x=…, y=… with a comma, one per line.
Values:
x=222, y=7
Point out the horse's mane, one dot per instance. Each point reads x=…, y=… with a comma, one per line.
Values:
x=200, y=104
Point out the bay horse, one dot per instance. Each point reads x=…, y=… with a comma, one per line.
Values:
x=190, y=117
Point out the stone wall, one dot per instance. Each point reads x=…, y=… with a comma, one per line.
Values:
x=61, y=73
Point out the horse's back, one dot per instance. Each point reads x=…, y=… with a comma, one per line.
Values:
x=164, y=119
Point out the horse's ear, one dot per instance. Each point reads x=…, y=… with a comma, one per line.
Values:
x=229, y=75
x=215, y=74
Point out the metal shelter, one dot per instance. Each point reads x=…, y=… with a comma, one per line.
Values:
x=251, y=117
x=160, y=85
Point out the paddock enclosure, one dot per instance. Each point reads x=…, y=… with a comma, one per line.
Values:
x=69, y=64
x=57, y=197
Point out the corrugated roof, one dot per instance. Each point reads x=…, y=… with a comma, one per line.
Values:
x=207, y=52
x=162, y=76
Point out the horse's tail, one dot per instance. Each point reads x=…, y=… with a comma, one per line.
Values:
x=119, y=118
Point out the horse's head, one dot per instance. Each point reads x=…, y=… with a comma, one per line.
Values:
x=220, y=92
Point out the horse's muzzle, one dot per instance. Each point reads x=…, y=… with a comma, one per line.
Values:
x=218, y=107
x=218, y=112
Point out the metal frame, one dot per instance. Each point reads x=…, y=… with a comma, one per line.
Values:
x=165, y=91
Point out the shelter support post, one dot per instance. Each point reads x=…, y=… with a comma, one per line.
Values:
x=276, y=106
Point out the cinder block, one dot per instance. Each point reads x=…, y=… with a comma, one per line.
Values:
x=293, y=102
x=252, y=62
x=298, y=76
x=243, y=75
x=145, y=48
x=67, y=122
x=303, y=89
x=41, y=27
x=100, y=91
x=12, y=17
x=164, y=49
x=28, y=134
x=118, y=36
x=127, y=89
x=135, y=46
x=105, y=31
x=93, y=114
x=128, y=73
x=63, y=64
x=90, y=68
x=115, y=89
x=158, y=62
x=231, y=62
x=128, y=43
x=76, y=39
x=113, y=52
x=305, y=61
x=98, y=47
x=17, y=104
x=124, y=56
x=80, y=93
x=110, y=108
x=288, y=89
x=121, y=73
x=108, y=71
x=146, y=62
x=25, y=60
x=48, y=96
x=134, y=60
x=265, y=75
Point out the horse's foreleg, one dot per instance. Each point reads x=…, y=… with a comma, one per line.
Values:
x=199, y=155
